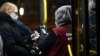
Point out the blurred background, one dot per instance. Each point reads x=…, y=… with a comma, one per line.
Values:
x=32, y=14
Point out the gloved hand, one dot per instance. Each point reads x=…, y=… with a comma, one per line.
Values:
x=35, y=50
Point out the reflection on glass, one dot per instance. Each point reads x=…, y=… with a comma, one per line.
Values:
x=92, y=27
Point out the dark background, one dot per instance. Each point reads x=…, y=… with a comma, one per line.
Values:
x=31, y=15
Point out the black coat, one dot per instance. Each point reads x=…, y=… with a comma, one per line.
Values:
x=46, y=42
x=15, y=41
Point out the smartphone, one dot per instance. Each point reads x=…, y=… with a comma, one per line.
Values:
x=44, y=31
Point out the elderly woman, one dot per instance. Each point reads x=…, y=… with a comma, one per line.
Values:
x=56, y=42
x=16, y=42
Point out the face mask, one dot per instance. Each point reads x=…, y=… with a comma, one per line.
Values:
x=14, y=16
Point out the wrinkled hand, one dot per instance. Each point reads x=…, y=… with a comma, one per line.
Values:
x=35, y=36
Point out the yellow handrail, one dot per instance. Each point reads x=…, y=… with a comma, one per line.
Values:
x=45, y=13
x=69, y=50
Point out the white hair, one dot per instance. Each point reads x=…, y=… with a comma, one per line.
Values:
x=8, y=7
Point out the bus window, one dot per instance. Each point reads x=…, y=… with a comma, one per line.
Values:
x=92, y=27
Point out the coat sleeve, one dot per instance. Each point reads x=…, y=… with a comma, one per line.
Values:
x=47, y=43
x=23, y=27
x=10, y=44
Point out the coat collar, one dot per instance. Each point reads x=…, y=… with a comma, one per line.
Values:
x=6, y=18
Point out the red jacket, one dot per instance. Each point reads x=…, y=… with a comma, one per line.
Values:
x=63, y=33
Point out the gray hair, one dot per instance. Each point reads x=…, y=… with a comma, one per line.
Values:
x=63, y=15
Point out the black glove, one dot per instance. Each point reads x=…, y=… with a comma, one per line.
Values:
x=35, y=50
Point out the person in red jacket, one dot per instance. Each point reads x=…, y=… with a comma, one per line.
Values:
x=55, y=44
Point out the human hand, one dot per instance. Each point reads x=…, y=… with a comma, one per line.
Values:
x=35, y=36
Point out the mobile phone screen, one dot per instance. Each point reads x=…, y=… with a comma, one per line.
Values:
x=44, y=31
